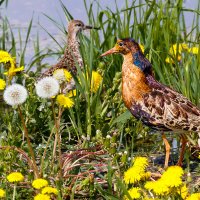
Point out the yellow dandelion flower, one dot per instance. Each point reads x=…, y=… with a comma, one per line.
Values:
x=140, y=162
x=15, y=177
x=62, y=75
x=146, y=175
x=172, y=60
x=132, y=175
x=71, y=93
x=49, y=190
x=64, y=101
x=141, y=47
x=172, y=177
x=95, y=81
x=194, y=50
x=134, y=193
x=12, y=71
x=42, y=197
x=158, y=187
x=183, y=191
x=137, y=171
x=178, y=48
x=5, y=57
x=2, y=193
x=195, y=196
x=39, y=183
x=2, y=84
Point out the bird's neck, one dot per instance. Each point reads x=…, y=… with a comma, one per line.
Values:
x=72, y=56
x=134, y=83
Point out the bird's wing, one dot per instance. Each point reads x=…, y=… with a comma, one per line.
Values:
x=165, y=109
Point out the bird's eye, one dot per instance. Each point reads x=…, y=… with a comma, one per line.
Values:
x=121, y=44
x=78, y=24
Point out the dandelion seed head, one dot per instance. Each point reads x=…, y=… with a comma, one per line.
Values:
x=47, y=87
x=62, y=75
x=15, y=94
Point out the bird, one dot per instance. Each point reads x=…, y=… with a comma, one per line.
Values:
x=72, y=56
x=155, y=104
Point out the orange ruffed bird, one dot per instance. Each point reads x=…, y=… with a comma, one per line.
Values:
x=156, y=105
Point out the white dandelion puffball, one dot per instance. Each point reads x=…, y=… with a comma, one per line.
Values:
x=47, y=87
x=15, y=94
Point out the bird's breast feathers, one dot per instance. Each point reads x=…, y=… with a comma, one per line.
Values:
x=133, y=83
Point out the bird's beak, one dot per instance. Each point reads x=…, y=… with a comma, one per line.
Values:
x=90, y=27
x=111, y=51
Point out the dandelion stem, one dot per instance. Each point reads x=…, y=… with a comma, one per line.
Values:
x=44, y=153
x=35, y=169
x=14, y=192
x=57, y=137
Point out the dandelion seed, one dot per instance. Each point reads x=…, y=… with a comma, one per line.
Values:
x=15, y=177
x=42, y=197
x=62, y=75
x=95, y=81
x=39, y=183
x=47, y=87
x=2, y=84
x=2, y=193
x=49, y=190
x=15, y=94
x=64, y=101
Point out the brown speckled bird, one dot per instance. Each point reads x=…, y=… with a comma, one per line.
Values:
x=155, y=104
x=72, y=56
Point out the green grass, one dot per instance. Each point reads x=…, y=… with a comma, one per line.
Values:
x=155, y=24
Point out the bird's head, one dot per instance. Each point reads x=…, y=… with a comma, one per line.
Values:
x=76, y=26
x=130, y=48
x=124, y=46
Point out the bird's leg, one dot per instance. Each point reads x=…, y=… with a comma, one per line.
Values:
x=167, y=148
x=184, y=143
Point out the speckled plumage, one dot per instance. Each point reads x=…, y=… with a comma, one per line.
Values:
x=72, y=56
x=155, y=104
